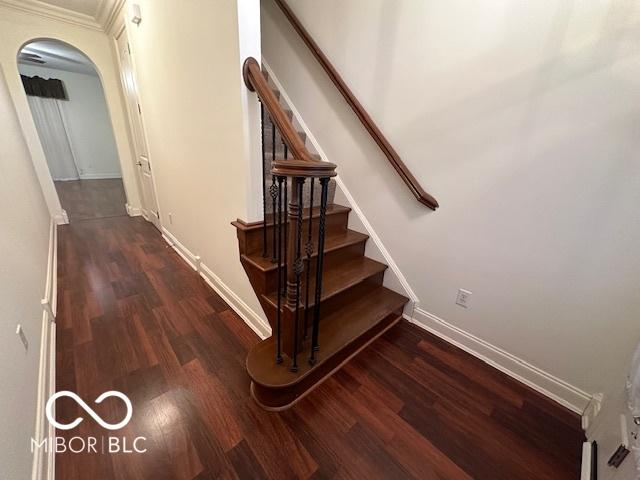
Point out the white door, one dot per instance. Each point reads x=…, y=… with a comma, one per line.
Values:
x=149, y=202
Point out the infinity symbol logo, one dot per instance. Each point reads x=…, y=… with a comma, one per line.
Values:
x=89, y=410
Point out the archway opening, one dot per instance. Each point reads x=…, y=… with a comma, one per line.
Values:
x=69, y=109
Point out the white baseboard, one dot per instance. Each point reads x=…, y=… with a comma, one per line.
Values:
x=61, y=218
x=133, y=211
x=587, y=453
x=183, y=251
x=44, y=462
x=250, y=317
x=562, y=392
x=66, y=179
x=591, y=411
x=99, y=176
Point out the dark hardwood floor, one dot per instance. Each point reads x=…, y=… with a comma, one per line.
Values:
x=134, y=318
x=89, y=199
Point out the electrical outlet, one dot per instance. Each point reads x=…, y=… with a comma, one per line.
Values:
x=171, y=218
x=464, y=298
x=23, y=337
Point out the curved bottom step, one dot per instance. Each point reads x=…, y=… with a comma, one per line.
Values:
x=277, y=398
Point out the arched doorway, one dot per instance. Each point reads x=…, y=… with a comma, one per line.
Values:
x=69, y=110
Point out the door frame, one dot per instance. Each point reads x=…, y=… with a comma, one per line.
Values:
x=121, y=32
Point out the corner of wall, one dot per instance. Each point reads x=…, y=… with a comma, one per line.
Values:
x=248, y=315
x=43, y=466
x=543, y=382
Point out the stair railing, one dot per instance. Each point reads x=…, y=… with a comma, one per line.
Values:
x=284, y=234
x=367, y=122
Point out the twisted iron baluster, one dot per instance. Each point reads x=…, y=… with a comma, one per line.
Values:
x=321, y=234
x=273, y=187
x=273, y=190
x=264, y=184
x=280, y=286
x=309, y=251
x=298, y=267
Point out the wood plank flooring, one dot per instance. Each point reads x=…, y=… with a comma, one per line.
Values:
x=134, y=318
x=89, y=199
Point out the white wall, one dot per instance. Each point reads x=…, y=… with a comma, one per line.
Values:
x=521, y=119
x=17, y=29
x=193, y=117
x=24, y=241
x=87, y=118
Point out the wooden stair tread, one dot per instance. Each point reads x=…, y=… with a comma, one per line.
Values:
x=333, y=209
x=338, y=278
x=333, y=241
x=337, y=331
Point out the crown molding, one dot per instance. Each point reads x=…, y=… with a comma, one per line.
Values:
x=105, y=13
x=113, y=15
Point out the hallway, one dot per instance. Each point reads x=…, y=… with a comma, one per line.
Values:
x=91, y=199
x=133, y=317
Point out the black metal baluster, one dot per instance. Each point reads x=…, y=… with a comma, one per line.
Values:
x=264, y=184
x=273, y=190
x=298, y=267
x=321, y=234
x=273, y=186
x=286, y=232
x=280, y=284
x=309, y=251
x=286, y=151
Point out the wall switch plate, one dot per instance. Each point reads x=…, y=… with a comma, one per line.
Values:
x=23, y=337
x=463, y=298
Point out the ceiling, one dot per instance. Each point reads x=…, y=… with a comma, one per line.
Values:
x=87, y=7
x=56, y=55
x=95, y=14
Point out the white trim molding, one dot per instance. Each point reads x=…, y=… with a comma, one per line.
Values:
x=591, y=411
x=543, y=382
x=183, y=251
x=43, y=466
x=248, y=315
x=61, y=218
x=133, y=211
x=102, y=19
x=251, y=318
x=99, y=176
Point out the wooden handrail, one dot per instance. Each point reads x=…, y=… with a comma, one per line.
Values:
x=302, y=164
x=368, y=123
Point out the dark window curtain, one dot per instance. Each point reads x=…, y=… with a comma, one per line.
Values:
x=40, y=87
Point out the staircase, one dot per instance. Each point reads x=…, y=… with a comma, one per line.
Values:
x=323, y=297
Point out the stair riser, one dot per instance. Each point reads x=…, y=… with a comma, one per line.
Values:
x=327, y=305
x=277, y=399
x=251, y=241
x=336, y=302
x=340, y=255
